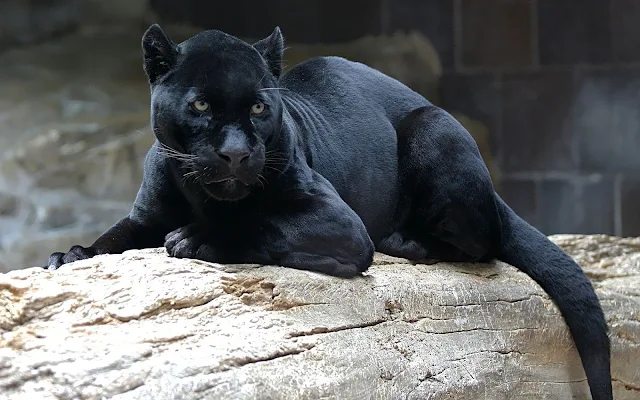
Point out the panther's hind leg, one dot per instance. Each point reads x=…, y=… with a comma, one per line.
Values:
x=444, y=251
x=426, y=250
x=447, y=198
x=397, y=245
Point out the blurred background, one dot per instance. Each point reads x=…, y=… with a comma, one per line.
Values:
x=550, y=90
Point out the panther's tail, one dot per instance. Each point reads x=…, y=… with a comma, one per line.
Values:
x=563, y=280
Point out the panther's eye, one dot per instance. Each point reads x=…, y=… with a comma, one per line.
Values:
x=201, y=106
x=257, y=108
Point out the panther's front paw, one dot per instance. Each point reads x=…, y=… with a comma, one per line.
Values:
x=75, y=253
x=188, y=242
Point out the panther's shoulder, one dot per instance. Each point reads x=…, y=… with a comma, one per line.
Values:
x=329, y=71
x=328, y=64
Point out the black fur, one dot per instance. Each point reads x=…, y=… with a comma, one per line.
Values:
x=340, y=158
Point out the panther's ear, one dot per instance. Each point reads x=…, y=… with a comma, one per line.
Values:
x=271, y=49
x=159, y=53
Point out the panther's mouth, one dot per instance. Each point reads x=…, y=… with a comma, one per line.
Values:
x=230, y=188
x=227, y=181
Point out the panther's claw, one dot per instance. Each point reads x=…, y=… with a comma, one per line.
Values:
x=75, y=253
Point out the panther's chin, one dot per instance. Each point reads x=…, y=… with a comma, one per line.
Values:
x=227, y=190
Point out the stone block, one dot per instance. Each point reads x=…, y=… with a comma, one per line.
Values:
x=583, y=205
x=572, y=32
x=496, y=33
x=537, y=133
x=433, y=18
x=630, y=205
x=625, y=30
x=606, y=120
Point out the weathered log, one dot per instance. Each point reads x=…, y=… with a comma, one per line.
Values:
x=145, y=326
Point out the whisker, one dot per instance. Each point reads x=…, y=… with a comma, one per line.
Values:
x=262, y=181
x=168, y=152
x=274, y=156
x=186, y=160
x=273, y=169
x=171, y=150
x=171, y=153
x=174, y=157
x=263, y=76
x=274, y=88
x=275, y=162
x=274, y=152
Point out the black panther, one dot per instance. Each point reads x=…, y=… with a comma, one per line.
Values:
x=319, y=167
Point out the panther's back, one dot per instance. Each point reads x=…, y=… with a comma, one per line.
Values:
x=341, y=82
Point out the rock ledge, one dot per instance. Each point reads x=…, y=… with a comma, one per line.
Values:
x=144, y=326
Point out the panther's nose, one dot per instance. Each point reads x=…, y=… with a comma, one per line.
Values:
x=234, y=157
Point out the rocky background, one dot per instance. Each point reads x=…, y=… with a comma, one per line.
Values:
x=74, y=101
x=73, y=132
x=74, y=124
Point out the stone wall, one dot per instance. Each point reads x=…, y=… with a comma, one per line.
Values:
x=31, y=21
x=556, y=84
x=73, y=133
x=74, y=108
x=559, y=86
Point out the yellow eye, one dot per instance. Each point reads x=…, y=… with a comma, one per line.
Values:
x=257, y=108
x=200, y=105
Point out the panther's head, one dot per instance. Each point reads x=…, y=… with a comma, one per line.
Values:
x=215, y=107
